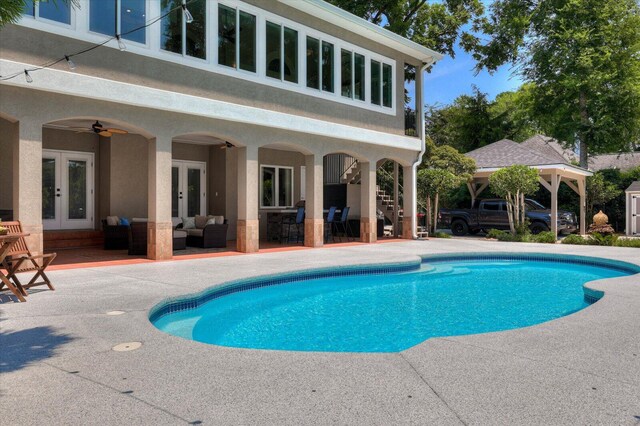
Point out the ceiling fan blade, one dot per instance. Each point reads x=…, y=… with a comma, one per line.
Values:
x=118, y=131
x=105, y=133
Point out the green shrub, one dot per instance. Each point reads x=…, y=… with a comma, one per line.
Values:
x=627, y=242
x=547, y=237
x=508, y=236
x=440, y=234
x=494, y=233
x=597, y=239
x=574, y=239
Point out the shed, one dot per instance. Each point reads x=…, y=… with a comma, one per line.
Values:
x=538, y=153
x=633, y=209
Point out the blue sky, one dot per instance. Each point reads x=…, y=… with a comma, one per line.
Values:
x=451, y=78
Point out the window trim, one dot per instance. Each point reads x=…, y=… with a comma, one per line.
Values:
x=118, y=28
x=36, y=17
x=277, y=186
x=79, y=31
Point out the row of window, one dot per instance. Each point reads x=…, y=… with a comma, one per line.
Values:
x=237, y=42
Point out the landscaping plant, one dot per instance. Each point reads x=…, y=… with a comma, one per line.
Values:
x=513, y=183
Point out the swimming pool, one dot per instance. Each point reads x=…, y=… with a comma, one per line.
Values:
x=387, y=309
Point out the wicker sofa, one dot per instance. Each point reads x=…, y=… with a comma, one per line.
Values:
x=116, y=237
x=206, y=236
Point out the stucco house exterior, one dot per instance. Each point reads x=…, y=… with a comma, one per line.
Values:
x=235, y=113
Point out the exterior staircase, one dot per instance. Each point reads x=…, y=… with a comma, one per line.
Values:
x=72, y=239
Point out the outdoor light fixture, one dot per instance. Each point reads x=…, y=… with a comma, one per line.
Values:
x=121, y=44
x=27, y=77
x=72, y=65
x=188, y=18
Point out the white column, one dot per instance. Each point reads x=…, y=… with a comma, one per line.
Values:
x=27, y=182
x=368, y=220
x=248, y=231
x=582, y=191
x=314, y=200
x=555, y=182
x=409, y=203
x=159, y=226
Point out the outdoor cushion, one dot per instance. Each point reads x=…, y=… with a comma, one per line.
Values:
x=175, y=221
x=124, y=221
x=112, y=220
x=211, y=221
x=201, y=221
x=179, y=234
x=219, y=220
x=193, y=232
x=188, y=223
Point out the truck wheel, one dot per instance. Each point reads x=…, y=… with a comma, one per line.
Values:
x=459, y=227
x=538, y=227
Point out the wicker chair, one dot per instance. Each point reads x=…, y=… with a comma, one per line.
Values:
x=138, y=238
x=211, y=236
x=116, y=237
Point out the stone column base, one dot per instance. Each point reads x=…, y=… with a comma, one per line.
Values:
x=313, y=232
x=160, y=240
x=248, y=236
x=407, y=232
x=368, y=230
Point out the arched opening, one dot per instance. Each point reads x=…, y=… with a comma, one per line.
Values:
x=203, y=176
x=390, y=196
x=282, y=191
x=10, y=134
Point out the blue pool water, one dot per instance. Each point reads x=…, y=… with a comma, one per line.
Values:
x=390, y=312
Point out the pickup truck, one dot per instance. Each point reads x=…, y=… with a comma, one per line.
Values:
x=492, y=214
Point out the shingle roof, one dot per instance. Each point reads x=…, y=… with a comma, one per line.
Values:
x=635, y=186
x=622, y=161
x=506, y=153
x=550, y=148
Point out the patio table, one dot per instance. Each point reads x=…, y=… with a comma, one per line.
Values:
x=6, y=244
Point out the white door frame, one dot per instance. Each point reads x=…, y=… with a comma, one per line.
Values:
x=183, y=167
x=61, y=208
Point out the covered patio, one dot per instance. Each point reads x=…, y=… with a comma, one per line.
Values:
x=538, y=153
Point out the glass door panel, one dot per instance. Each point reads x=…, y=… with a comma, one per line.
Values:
x=188, y=189
x=193, y=191
x=49, y=189
x=77, y=184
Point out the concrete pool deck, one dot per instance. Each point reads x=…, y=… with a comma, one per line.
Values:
x=57, y=365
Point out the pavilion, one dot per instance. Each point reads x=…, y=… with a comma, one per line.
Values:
x=538, y=152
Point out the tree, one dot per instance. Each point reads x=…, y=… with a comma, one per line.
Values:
x=437, y=25
x=513, y=183
x=600, y=191
x=584, y=58
x=472, y=121
x=442, y=170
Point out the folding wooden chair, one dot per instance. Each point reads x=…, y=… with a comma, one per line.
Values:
x=19, y=259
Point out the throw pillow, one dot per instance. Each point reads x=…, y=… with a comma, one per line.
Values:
x=219, y=220
x=188, y=223
x=200, y=221
x=211, y=221
x=112, y=220
x=124, y=221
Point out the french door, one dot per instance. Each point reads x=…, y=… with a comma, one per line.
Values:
x=188, y=188
x=67, y=190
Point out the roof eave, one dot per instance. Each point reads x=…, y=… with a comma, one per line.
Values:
x=348, y=21
x=568, y=167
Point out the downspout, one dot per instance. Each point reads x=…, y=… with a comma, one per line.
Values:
x=423, y=148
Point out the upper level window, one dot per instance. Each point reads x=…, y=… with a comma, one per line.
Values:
x=59, y=11
x=387, y=85
x=327, y=67
x=282, y=52
x=313, y=63
x=346, y=58
x=126, y=17
x=236, y=39
x=179, y=37
x=358, y=77
x=376, y=82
